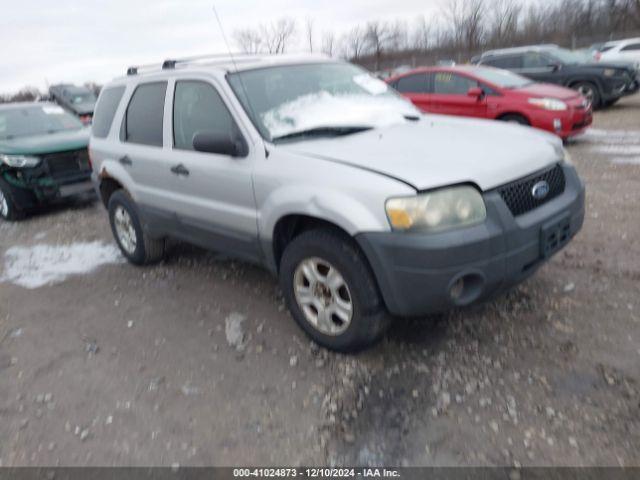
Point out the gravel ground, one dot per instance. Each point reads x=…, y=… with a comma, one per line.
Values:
x=196, y=361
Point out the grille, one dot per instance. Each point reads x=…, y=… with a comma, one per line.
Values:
x=519, y=197
x=67, y=163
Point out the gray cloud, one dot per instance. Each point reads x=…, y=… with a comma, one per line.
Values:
x=82, y=40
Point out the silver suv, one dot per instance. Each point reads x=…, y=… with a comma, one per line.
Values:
x=363, y=207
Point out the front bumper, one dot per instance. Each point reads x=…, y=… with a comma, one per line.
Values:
x=31, y=187
x=571, y=122
x=417, y=272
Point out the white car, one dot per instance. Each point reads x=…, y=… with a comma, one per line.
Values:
x=621, y=51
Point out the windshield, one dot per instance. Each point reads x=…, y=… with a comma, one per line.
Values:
x=34, y=120
x=289, y=99
x=567, y=56
x=502, y=78
x=77, y=98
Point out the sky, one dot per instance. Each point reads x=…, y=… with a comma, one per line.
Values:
x=46, y=42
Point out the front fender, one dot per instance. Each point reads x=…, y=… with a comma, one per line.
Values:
x=330, y=205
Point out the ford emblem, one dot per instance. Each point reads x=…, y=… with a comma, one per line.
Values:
x=540, y=190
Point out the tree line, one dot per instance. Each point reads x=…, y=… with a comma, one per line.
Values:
x=460, y=29
x=457, y=31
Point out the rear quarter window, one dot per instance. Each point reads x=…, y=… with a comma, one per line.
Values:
x=106, y=110
x=144, y=119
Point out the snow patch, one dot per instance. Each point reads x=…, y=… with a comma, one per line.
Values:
x=323, y=109
x=39, y=265
x=622, y=147
x=234, y=332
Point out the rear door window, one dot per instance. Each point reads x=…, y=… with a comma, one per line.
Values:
x=510, y=62
x=197, y=108
x=535, y=60
x=416, y=83
x=445, y=83
x=144, y=118
x=106, y=110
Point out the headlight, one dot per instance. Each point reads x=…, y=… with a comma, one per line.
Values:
x=19, y=161
x=549, y=104
x=610, y=72
x=437, y=210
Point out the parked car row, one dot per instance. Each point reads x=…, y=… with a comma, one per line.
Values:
x=627, y=50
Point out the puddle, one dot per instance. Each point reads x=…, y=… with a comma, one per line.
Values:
x=40, y=265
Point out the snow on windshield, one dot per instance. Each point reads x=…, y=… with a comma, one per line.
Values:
x=322, y=109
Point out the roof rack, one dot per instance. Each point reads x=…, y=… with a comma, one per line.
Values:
x=170, y=64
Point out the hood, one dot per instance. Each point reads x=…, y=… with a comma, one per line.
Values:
x=630, y=66
x=547, y=90
x=46, y=143
x=439, y=150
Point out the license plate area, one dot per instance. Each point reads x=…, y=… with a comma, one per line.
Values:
x=554, y=236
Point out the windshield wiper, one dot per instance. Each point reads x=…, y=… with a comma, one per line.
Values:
x=322, y=132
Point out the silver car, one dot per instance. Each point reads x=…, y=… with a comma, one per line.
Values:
x=362, y=207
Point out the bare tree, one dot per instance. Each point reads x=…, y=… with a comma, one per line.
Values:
x=328, y=43
x=354, y=43
x=421, y=38
x=309, y=30
x=277, y=34
x=466, y=22
x=249, y=40
x=503, y=22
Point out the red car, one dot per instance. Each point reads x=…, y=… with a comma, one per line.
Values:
x=485, y=92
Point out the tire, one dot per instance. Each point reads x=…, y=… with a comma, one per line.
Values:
x=333, y=252
x=9, y=211
x=135, y=245
x=590, y=91
x=514, y=118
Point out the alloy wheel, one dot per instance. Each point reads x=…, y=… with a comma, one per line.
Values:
x=4, y=205
x=125, y=230
x=323, y=296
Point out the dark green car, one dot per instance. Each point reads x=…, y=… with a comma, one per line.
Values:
x=43, y=157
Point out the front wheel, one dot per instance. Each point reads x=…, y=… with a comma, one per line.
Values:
x=590, y=92
x=331, y=292
x=135, y=244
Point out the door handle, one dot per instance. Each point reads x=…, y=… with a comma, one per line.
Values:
x=180, y=169
x=126, y=161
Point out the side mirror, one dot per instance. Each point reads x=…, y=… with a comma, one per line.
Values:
x=476, y=92
x=219, y=143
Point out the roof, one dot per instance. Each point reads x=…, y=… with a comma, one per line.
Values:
x=12, y=105
x=527, y=48
x=227, y=62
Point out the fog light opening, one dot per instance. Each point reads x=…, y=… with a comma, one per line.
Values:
x=466, y=288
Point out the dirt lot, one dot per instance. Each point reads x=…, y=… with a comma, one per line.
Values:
x=196, y=362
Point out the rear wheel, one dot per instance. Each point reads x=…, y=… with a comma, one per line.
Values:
x=8, y=209
x=134, y=242
x=590, y=92
x=514, y=118
x=331, y=292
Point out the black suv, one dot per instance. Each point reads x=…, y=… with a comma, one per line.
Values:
x=603, y=83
